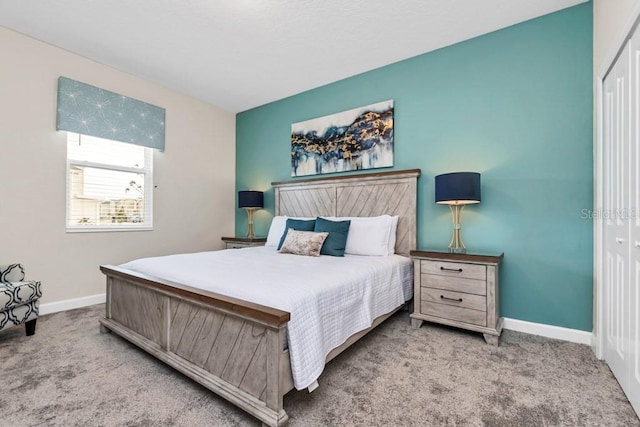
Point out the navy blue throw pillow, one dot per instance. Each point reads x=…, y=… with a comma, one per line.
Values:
x=298, y=225
x=336, y=241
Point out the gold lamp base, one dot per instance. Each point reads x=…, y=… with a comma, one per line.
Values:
x=250, y=233
x=456, y=245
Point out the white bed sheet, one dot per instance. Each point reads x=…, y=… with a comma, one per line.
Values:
x=329, y=298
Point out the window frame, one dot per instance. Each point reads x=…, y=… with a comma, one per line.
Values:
x=147, y=171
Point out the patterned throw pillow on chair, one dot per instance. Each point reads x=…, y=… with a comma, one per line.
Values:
x=11, y=273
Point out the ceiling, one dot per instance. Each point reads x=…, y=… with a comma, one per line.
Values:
x=239, y=54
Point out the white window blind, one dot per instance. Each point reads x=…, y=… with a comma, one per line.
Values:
x=109, y=185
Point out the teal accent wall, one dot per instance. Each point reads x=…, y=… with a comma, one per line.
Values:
x=515, y=105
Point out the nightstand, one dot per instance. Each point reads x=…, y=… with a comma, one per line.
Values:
x=458, y=290
x=242, y=242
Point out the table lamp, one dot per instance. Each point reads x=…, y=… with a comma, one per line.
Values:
x=250, y=200
x=457, y=190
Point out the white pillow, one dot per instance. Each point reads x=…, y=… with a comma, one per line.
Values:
x=276, y=230
x=392, y=235
x=373, y=236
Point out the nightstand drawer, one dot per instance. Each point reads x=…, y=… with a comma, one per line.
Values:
x=240, y=242
x=469, y=286
x=237, y=245
x=454, y=299
x=460, y=314
x=454, y=269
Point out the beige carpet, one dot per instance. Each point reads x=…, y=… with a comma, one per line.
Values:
x=69, y=374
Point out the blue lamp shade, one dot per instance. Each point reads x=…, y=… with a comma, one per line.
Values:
x=250, y=199
x=458, y=188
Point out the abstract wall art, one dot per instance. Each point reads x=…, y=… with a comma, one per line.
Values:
x=357, y=139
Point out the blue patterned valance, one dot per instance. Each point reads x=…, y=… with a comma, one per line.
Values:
x=89, y=110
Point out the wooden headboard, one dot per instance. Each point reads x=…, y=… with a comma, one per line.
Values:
x=373, y=194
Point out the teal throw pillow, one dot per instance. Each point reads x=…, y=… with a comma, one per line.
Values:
x=336, y=241
x=298, y=225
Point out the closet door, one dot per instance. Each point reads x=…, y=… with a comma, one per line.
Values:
x=616, y=230
x=633, y=392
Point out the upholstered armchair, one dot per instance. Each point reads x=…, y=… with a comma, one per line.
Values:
x=19, y=299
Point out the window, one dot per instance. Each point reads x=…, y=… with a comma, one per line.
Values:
x=109, y=185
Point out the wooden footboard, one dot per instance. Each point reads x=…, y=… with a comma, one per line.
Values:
x=232, y=347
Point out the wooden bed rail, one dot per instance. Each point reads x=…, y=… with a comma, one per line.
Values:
x=268, y=315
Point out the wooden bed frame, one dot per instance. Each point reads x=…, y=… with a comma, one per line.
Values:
x=237, y=348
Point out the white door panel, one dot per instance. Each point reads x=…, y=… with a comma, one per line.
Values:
x=616, y=230
x=619, y=247
x=633, y=389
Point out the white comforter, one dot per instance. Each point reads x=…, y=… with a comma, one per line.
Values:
x=329, y=298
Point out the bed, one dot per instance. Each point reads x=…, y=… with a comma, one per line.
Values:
x=178, y=320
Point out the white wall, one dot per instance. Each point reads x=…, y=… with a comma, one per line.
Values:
x=195, y=176
x=610, y=18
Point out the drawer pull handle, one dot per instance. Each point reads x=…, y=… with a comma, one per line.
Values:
x=457, y=270
x=451, y=299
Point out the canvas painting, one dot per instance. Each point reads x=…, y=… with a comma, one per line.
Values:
x=357, y=139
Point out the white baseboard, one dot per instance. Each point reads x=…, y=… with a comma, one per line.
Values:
x=70, y=304
x=549, y=331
